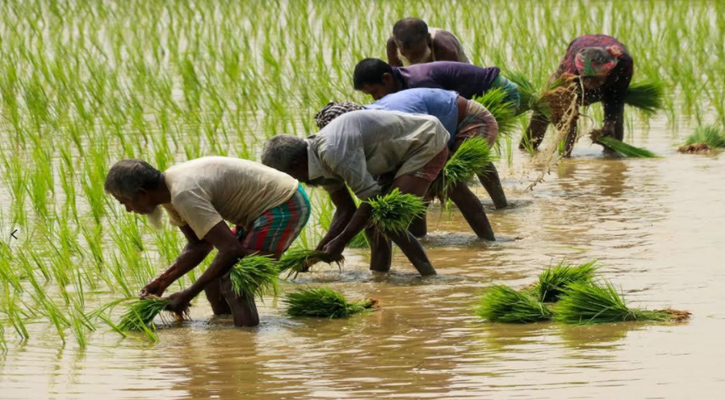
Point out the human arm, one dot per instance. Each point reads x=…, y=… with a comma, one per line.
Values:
x=344, y=210
x=230, y=252
x=191, y=256
x=392, y=50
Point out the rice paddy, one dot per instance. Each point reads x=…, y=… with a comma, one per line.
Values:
x=85, y=84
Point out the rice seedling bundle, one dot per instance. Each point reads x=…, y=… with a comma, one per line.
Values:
x=472, y=158
x=647, y=96
x=589, y=303
x=502, y=304
x=254, y=275
x=704, y=139
x=393, y=212
x=532, y=99
x=504, y=111
x=626, y=150
x=141, y=313
x=299, y=260
x=554, y=280
x=324, y=303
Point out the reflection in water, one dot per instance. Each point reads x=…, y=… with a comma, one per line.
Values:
x=655, y=225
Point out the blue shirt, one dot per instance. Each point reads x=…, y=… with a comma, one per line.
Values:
x=438, y=103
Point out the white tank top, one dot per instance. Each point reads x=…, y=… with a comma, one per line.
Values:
x=430, y=57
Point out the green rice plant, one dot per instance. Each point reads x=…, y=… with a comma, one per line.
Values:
x=393, y=212
x=624, y=149
x=554, y=280
x=500, y=303
x=703, y=139
x=324, y=303
x=532, y=98
x=299, y=260
x=590, y=303
x=504, y=111
x=254, y=275
x=647, y=96
x=140, y=314
x=472, y=158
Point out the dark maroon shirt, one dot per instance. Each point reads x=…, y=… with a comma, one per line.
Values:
x=466, y=79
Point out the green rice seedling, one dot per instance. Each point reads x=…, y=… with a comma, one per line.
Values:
x=646, y=96
x=531, y=97
x=703, y=139
x=500, y=303
x=472, y=158
x=590, y=303
x=624, y=149
x=140, y=314
x=254, y=275
x=300, y=260
x=504, y=111
x=554, y=280
x=324, y=303
x=395, y=211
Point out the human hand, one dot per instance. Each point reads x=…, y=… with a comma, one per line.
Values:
x=178, y=302
x=154, y=288
x=334, y=249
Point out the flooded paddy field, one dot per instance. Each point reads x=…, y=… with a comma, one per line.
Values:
x=87, y=84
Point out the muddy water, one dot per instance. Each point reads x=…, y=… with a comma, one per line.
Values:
x=656, y=225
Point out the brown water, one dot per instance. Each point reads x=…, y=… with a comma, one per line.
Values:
x=656, y=225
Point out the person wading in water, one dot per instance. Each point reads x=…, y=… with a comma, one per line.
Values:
x=364, y=150
x=413, y=42
x=602, y=69
x=268, y=207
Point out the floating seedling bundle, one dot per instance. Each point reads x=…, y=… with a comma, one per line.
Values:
x=324, y=303
x=704, y=139
x=472, y=158
x=254, y=275
x=624, y=149
x=647, y=96
x=567, y=294
x=299, y=260
x=393, y=212
x=503, y=111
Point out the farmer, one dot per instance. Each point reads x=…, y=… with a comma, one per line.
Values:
x=374, y=77
x=200, y=196
x=603, y=69
x=474, y=120
x=413, y=42
x=363, y=150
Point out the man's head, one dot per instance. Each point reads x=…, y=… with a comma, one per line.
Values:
x=136, y=185
x=594, y=64
x=333, y=110
x=375, y=77
x=288, y=154
x=413, y=39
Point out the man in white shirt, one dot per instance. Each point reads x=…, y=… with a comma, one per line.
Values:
x=268, y=207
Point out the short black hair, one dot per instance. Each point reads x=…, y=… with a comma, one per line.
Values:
x=409, y=31
x=127, y=178
x=370, y=72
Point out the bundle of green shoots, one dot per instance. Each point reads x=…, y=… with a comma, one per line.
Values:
x=624, y=149
x=141, y=313
x=589, y=303
x=578, y=300
x=254, y=275
x=472, y=158
x=646, y=96
x=324, y=303
x=502, y=304
x=532, y=98
x=554, y=280
x=503, y=111
x=704, y=139
x=299, y=260
x=393, y=212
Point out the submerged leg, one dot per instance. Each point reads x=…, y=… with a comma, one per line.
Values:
x=214, y=294
x=411, y=247
x=244, y=310
x=381, y=251
x=492, y=183
x=472, y=210
x=535, y=133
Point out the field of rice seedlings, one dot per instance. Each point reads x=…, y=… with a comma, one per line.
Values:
x=86, y=83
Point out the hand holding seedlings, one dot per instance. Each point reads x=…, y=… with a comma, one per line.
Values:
x=271, y=203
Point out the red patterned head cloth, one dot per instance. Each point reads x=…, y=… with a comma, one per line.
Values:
x=597, y=61
x=333, y=110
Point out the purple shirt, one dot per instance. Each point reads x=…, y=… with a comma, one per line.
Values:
x=466, y=79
